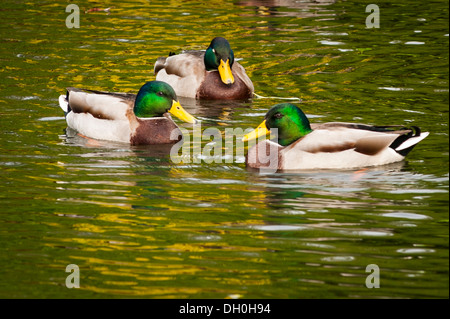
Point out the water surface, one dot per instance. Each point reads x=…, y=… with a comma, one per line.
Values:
x=139, y=225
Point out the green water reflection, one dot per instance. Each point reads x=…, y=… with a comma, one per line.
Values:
x=139, y=225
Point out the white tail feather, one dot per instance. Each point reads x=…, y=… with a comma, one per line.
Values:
x=412, y=141
x=63, y=103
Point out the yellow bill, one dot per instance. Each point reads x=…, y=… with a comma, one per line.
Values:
x=225, y=72
x=178, y=111
x=259, y=131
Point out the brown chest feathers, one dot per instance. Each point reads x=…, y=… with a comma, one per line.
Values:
x=155, y=131
x=213, y=88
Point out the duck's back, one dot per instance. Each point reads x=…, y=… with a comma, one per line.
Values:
x=185, y=72
x=347, y=145
x=101, y=105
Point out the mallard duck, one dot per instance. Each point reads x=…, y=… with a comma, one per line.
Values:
x=332, y=145
x=212, y=74
x=136, y=119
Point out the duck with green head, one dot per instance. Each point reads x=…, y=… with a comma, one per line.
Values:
x=212, y=74
x=335, y=145
x=123, y=117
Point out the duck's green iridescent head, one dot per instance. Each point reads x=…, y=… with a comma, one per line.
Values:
x=156, y=98
x=291, y=124
x=219, y=56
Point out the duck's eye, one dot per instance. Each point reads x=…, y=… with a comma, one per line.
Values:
x=160, y=93
x=278, y=116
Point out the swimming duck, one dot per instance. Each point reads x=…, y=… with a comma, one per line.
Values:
x=136, y=119
x=333, y=145
x=212, y=74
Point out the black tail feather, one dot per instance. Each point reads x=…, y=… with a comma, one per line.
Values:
x=414, y=131
x=68, y=105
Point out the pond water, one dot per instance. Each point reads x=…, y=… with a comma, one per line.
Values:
x=139, y=225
